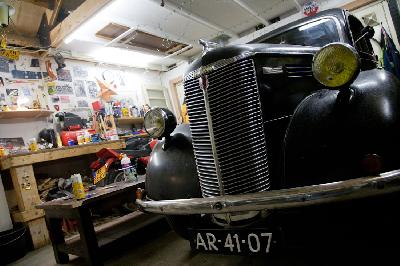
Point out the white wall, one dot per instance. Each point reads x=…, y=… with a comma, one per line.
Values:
x=166, y=77
x=129, y=85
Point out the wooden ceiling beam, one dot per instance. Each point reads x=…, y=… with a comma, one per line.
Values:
x=22, y=41
x=54, y=15
x=86, y=10
x=357, y=4
x=42, y=3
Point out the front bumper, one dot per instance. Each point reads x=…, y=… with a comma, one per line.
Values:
x=385, y=183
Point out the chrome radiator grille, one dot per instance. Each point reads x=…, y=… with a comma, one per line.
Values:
x=227, y=130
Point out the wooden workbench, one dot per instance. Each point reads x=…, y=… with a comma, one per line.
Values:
x=24, y=182
x=91, y=238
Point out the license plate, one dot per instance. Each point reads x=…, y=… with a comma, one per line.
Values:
x=232, y=241
x=100, y=174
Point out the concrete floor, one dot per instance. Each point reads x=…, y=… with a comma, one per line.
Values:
x=158, y=245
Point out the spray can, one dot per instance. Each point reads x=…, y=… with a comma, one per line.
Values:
x=77, y=187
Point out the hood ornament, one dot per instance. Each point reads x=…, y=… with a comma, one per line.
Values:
x=207, y=45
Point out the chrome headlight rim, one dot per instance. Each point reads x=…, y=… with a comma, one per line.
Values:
x=168, y=122
x=352, y=52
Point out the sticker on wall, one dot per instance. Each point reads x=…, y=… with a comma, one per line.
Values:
x=79, y=86
x=35, y=62
x=82, y=103
x=4, y=65
x=79, y=72
x=19, y=74
x=26, y=92
x=55, y=99
x=64, y=75
x=92, y=88
x=64, y=89
x=65, y=99
x=310, y=8
x=51, y=88
x=56, y=107
x=12, y=92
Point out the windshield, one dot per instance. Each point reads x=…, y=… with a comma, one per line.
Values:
x=317, y=33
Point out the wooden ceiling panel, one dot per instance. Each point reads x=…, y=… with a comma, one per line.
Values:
x=27, y=18
x=111, y=31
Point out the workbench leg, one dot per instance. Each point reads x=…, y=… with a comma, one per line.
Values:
x=24, y=182
x=88, y=237
x=57, y=237
x=39, y=233
x=25, y=187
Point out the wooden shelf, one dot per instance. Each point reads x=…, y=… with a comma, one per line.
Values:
x=130, y=120
x=25, y=114
x=57, y=153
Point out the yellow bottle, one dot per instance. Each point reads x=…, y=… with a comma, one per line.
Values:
x=59, y=142
x=33, y=144
x=77, y=187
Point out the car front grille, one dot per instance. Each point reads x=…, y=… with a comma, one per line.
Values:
x=227, y=130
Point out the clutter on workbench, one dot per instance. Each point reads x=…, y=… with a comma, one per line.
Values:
x=12, y=146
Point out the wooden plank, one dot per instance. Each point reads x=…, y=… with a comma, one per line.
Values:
x=42, y=3
x=39, y=233
x=130, y=120
x=86, y=10
x=56, y=10
x=22, y=41
x=58, y=153
x=27, y=18
x=11, y=198
x=357, y=4
x=25, y=187
x=28, y=215
x=25, y=114
x=142, y=135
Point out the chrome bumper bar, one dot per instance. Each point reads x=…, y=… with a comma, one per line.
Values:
x=279, y=199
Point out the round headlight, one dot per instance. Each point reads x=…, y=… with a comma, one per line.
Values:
x=159, y=122
x=336, y=64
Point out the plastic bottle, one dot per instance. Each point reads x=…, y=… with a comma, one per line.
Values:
x=77, y=186
x=33, y=144
x=59, y=142
x=125, y=161
x=87, y=137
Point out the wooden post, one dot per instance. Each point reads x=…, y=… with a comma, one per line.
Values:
x=25, y=187
x=27, y=195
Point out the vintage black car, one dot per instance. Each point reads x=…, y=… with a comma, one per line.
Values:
x=293, y=141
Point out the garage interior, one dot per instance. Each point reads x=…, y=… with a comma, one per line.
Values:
x=152, y=132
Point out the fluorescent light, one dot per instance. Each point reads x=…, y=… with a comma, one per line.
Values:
x=75, y=34
x=125, y=57
x=70, y=38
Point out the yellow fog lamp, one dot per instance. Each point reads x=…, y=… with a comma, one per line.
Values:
x=336, y=64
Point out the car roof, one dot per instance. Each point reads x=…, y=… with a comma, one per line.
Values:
x=335, y=12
